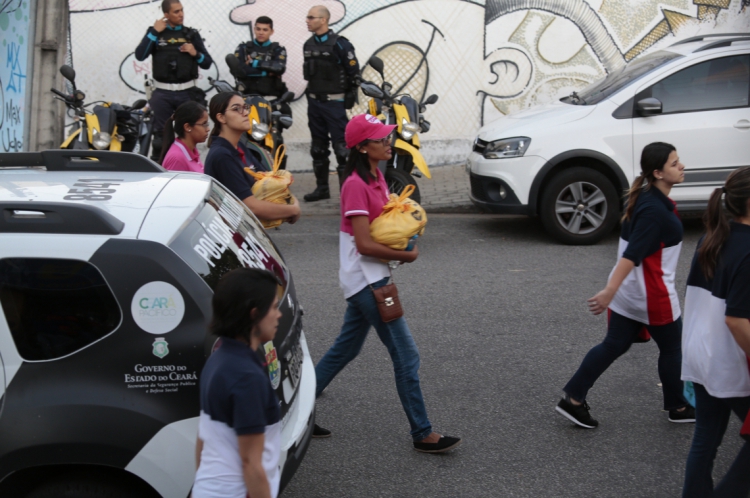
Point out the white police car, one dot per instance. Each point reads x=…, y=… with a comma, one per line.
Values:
x=106, y=275
x=570, y=161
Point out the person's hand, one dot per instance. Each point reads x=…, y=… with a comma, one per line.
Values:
x=412, y=255
x=293, y=219
x=600, y=301
x=189, y=48
x=160, y=24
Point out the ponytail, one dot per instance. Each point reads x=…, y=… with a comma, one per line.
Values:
x=654, y=156
x=167, y=138
x=736, y=193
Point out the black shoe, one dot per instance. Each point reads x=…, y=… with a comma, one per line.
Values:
x=320, y=432
x=579, y=415
x=320, y=193
x=686, y=416
x=445, y=443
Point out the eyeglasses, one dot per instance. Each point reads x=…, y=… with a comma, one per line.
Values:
x=241, y=109
x=205, y=125
x=310, y=18
x=383, y=141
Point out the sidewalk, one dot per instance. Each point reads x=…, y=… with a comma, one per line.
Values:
x=446, y=192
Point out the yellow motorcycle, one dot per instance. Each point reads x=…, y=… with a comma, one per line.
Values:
x=109, y=126
x=408, y=116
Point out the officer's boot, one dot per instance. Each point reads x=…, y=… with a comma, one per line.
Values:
x=340, y=172
x=342, y=154
x=321, y=192
x=156, y=144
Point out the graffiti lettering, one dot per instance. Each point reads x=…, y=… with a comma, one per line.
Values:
x=15, y=84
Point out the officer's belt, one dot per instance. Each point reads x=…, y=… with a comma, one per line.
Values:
x=175, y=87
x=325, y=97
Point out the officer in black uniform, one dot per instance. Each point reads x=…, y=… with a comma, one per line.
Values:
x=262, y=61
x=332, y=72
x=177, y=53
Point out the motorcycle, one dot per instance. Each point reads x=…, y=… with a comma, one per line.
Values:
x=268, y=118
x=408, y=116
x=109, y=126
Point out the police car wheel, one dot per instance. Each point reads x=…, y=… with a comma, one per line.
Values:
x=579, y=206
x=82, y=488
x=397, y=180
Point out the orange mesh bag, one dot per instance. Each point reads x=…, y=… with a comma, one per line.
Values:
x=401, y=219
x=273, y=186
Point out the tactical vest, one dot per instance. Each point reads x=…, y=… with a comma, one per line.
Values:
x=321, y=68
x=263, y=85
x=169, y=64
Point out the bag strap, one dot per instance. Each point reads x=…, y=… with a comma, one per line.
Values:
x=391, y=277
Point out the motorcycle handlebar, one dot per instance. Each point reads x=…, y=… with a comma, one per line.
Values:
x=67, y=98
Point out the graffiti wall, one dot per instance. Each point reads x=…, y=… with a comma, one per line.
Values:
x=14, y=26
x=483, y=58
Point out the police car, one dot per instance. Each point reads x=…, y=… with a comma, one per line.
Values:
x=107, y=264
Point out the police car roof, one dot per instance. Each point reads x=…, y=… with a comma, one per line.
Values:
x=98, y=200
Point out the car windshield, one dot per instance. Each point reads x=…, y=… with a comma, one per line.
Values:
x=617, y=80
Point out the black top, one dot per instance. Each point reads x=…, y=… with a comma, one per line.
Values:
x=654, y=224
x=149, y=44
x=227, y=164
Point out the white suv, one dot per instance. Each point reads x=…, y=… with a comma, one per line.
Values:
x=106, y=274
x=570, y=161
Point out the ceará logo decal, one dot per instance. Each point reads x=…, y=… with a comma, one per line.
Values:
x=158, y=307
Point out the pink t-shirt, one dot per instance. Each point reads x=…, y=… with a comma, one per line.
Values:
x=359, y=199
x=180, y=158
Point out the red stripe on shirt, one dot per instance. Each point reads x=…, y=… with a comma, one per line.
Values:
x=657, y=297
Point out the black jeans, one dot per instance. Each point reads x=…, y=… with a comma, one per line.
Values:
x=621, y=332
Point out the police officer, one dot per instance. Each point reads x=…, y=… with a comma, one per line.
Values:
x=177, y=53
x=332, y=72
x=262, y=61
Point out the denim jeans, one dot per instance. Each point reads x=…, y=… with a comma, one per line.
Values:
x=361, y=314
x=711, y=420
x=621, y=332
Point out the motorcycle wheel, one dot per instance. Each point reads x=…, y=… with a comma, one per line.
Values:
x=397, y=180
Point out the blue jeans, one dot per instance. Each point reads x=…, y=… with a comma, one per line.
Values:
x=621, y=332
x=711, y=419
x=361, y=313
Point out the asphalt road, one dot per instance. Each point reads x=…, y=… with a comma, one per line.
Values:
x=499, y=313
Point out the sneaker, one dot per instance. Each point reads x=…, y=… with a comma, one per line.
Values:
x=445, y=443
x=319, y=432
x=579, y=414
x=686, y=416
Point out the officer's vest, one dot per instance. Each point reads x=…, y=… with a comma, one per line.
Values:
x=321, y=68
x=263, y=85
x=169, y=64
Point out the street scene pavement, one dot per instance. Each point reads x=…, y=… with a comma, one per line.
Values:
x=498, y=311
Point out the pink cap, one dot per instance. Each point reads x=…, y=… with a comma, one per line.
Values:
x=365, y=127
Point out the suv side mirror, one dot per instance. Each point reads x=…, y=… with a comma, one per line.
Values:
x=648, y=107
x=377, y=64
x=68, y=73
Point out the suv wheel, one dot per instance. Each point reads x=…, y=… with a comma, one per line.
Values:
x=579, y=206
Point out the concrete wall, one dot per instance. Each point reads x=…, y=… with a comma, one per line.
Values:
x=15, y=28
x=484, y=58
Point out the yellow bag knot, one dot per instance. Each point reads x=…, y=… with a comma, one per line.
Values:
x=401, y=219
x=273, y=186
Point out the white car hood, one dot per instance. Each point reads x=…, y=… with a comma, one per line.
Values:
x=532, y=121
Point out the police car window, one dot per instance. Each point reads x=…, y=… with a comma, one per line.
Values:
x=722, y=83
x=55, y=307
x=224, y=236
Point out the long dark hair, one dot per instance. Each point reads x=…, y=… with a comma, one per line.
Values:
x=653, y=157
x=736, y=193
x=218, y=105
x=188, y=113
x=237, y=294
x=359, y=162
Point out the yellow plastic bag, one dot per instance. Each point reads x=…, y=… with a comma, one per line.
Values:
x=401, y=219
x=273, y=186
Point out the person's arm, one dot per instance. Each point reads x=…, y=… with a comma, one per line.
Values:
x=198, y=50
x=601, y=300
x=148, y=44
x=277, y=65
x=198, y=451
x=348, y=60
x=368, y=247
x=269, y=211
x=251, y=453
x=740, y=329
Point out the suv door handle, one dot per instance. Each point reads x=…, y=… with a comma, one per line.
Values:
x=742, y=124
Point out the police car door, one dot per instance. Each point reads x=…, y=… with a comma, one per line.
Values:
x=705, y=115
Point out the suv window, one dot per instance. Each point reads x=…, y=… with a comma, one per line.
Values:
x=722, y=83
x=55, y=307
x=223, y=236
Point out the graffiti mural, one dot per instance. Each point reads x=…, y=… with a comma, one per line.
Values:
x=483, y=58
x=14, y=25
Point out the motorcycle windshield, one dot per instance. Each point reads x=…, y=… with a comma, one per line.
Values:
x=412, y=107
x=107, y=118
x=260, y=109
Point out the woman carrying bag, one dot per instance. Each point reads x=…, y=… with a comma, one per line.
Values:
x=716, y=339
x=641, y=290
x=363, y=273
